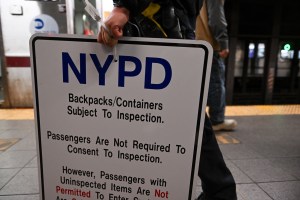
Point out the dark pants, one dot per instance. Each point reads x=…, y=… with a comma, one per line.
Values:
x=217, y=180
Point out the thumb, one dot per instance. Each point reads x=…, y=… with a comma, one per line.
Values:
x=116, y=32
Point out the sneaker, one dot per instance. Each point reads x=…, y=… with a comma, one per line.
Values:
x=227, y=125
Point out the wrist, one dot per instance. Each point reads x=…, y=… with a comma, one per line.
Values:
x=121, y=10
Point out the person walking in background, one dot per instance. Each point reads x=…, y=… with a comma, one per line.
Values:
x=87, y=28
x=173, y=19
x=211, y=26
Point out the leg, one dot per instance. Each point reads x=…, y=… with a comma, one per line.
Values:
x=216, y=93
x=216, y=100
x=217, y=180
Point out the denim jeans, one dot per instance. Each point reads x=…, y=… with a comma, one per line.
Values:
x=216, y=100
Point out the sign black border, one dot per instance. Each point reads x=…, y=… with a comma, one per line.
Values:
x=153, y=43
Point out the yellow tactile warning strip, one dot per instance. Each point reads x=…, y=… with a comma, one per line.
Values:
x=263, y=110
x=16, y=114
x=6, y=143
x=23, y=114
x=224, y=138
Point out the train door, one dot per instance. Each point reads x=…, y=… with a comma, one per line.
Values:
x=249, y=71
x=287, y=74
x=19, y=20
x=84, y=24
x=251, y=64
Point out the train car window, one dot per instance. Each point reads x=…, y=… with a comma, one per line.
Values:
x=249, y=69
x=256, y=59
x=251, y=48
x=286, y=54
x=286, y=51
x=287, y=73
x=239, y=57
x=261, y=50
x=84, y=24
x=299, y=63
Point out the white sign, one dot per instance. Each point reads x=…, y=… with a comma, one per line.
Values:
x=44, y=24
x=126, y=130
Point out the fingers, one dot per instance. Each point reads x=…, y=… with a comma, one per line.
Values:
x=106, y=38
x=117, y=32
x=114, y=23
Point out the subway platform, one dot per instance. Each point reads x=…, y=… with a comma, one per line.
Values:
x=263, y=153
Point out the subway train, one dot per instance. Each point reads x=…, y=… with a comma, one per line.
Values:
x=20, y=19
x=262, y=67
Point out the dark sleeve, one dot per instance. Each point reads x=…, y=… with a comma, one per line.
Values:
x=217, y=22
x=190, y=6
x=137, y=6
x=134, y=6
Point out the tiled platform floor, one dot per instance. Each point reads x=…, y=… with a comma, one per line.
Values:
x=265, y=161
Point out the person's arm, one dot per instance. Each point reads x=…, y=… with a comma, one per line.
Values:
x=218, y=24
x=123, y=10
x=114, y=26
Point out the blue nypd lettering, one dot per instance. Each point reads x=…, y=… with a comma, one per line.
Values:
x=68, y=66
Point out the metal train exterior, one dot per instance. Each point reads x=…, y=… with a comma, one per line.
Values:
x=20, y=19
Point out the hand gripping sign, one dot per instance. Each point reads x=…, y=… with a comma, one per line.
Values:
x=130, y=129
